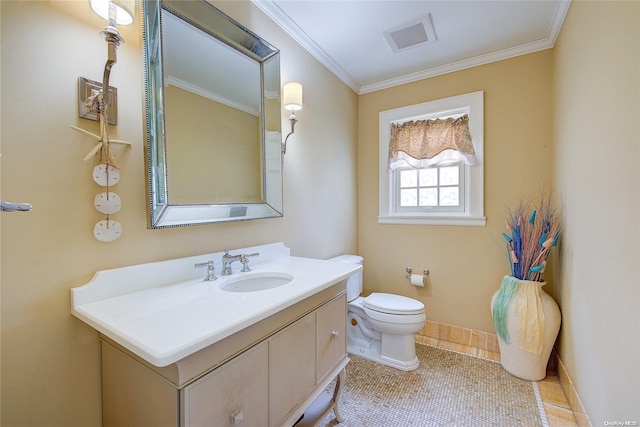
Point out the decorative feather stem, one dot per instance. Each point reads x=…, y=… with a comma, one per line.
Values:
x=529, y=244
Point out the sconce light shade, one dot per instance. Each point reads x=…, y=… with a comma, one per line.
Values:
x=124, y=10
x=292, y=100
x=292, y=96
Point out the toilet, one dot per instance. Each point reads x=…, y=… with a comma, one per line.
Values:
x=380, y=327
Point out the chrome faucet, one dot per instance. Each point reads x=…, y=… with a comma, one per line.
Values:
x=244, y=259
x=228, y=259
x=211, y=272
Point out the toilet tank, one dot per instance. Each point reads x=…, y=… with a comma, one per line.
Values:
x=354, y=283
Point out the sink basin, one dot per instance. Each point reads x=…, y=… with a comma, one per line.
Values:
x=253, y=282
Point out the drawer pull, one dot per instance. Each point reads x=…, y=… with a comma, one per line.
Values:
x=237, y=417
x=335, y=334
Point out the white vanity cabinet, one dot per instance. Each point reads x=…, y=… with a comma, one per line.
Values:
x=268, y=374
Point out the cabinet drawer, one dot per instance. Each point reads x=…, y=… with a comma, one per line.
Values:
x=237, y=389
x=331, y=340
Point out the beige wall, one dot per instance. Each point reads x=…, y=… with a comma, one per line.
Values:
x=597, y=169
x=466, y=263
x=50, y=360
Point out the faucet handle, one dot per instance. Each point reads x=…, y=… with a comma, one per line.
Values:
x=244, y=259
x=211, y=270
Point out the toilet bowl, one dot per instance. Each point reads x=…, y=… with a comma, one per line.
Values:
x=380, y=327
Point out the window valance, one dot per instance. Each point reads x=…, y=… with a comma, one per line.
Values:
x=422, y=143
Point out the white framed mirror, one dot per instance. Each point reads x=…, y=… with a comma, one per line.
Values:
x=213, y=124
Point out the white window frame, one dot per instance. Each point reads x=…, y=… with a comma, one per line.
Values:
x=473, y=214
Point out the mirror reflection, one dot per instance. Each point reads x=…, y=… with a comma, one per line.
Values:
x=213, y=117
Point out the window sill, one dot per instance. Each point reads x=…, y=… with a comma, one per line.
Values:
x=471, y=221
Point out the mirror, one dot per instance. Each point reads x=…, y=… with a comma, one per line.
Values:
x=212, y=118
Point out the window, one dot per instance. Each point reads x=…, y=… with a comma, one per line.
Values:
x=446, y=193
x=435, y=188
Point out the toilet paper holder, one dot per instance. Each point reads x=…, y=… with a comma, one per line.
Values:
x=409, y=271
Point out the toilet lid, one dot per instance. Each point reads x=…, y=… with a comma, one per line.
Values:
x=393, y=304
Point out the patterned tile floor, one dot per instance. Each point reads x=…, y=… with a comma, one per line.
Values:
x=451, y=389
x=556, y=406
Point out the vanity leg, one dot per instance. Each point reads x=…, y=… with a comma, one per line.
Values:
x=337, y=391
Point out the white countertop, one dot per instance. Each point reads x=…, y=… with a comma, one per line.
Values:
x=167, y=322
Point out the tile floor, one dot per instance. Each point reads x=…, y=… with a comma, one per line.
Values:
x=555, y=403
x=449, y=388
x=485, y=345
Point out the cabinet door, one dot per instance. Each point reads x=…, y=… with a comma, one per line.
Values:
x=236, y=394
x=331, y=340
x=133, y=395
x=291, y=367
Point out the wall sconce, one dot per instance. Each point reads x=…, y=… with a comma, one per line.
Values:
x=98, y=102
x=292, y=100
x=95, y=97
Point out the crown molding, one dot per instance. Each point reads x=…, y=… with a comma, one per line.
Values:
x=291, y=28
x=457, y=66
x=282, y=19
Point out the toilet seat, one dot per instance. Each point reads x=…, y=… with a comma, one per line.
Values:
x=392, y=304
x=395, y=319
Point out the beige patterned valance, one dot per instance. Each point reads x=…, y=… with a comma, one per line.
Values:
x=423, y=143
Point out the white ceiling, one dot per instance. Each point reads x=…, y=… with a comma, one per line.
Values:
x=347, y=35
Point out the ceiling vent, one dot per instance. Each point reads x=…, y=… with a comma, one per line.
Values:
x=411, y=34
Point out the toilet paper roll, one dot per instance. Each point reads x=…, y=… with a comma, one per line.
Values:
x=417, y=280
